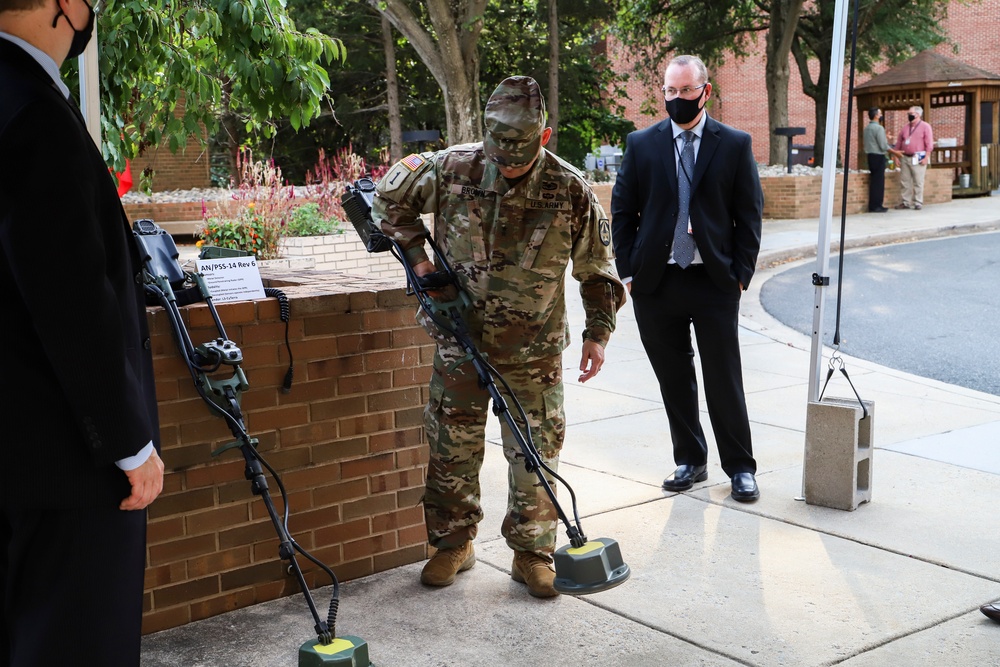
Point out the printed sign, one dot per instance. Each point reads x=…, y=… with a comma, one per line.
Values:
x=232, y=278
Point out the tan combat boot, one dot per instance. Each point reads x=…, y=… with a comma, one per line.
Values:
x=535, y=571
x=441, y=569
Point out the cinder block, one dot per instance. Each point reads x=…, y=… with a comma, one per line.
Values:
x=837, y=470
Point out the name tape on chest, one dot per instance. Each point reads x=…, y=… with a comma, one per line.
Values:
x=469, y=191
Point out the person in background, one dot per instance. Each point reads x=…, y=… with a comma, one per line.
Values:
x=79, y=410
x=913, y=152
x=876, y=147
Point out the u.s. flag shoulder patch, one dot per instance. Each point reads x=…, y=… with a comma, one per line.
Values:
x=413, y=161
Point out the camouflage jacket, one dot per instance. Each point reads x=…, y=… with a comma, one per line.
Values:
x=510, y=247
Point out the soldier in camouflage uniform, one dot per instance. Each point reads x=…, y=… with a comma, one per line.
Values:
x=509, y=217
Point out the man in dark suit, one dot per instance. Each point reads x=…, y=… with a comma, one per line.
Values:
x=686, y=223
x=78, y=418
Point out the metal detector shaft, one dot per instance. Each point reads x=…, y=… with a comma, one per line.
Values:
x=532, y=460
x=452, y=309
x=357, y=201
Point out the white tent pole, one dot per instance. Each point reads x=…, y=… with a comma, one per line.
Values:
x=90, y=99
x=828, y=191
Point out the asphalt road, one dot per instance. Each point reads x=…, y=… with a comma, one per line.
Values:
x=931, y=308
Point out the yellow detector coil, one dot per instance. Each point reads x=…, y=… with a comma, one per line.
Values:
x=336, y=646
x=585, y=549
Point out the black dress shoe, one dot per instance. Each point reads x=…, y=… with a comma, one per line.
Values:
x=684, y=478
x=880, y=209
x=991, y=611
x=745, y=487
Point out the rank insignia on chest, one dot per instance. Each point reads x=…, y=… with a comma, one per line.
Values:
x=413, y=161
x=604, y=230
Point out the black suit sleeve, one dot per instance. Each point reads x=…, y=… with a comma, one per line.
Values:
x=66, y=248
x=747, y=213
x=625, y=210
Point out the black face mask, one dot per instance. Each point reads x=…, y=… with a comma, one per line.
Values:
x=80, y=37
x=911, y=117
x=683, y=111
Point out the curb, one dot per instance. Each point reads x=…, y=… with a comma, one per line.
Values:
x=773, y=258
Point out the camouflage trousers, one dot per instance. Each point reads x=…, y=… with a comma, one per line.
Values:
x=455, y=419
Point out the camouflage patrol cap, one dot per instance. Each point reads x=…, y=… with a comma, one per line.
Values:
x=515, y=118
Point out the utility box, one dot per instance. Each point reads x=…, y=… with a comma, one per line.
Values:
x=837, y=471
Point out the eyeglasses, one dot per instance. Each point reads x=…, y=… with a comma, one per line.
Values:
x=686, y=92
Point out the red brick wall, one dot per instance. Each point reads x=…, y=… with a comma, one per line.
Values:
x=186, y=169
x=347, y=441
x=740, y=97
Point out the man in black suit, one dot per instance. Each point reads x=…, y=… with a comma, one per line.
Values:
x=686, y=222
x=78, y=417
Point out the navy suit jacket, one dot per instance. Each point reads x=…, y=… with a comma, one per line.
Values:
x=726, y=206
x=78, y=389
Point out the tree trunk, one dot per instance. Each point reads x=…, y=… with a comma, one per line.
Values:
x=784, y=18
x=232, y=129
x=451, y=54
x=553, y=105
x=392, y=94
x=818, y=42
x=461, y=103
x=821, y=98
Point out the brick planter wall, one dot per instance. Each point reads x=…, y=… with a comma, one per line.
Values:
x=343, y=252
x=794, y=197
x=347, y=440
x=165, y=212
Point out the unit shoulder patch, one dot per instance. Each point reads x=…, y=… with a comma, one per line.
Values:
x=604, y=231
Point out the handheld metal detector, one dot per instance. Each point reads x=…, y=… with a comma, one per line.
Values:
x=167, y=284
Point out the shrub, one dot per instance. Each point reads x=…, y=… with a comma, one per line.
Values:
x=328, y=180
x=256, y=215
x=598, y=176
x=306, y=220
x=249, y=231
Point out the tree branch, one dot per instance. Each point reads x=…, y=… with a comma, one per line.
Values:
x=406, y=22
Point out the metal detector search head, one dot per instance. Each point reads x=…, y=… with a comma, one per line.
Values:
x=592, y=568
x=345, y=651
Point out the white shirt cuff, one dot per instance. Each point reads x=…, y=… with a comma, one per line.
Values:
x=133, y=462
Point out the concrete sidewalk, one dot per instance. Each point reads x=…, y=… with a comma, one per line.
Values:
x=897, y=582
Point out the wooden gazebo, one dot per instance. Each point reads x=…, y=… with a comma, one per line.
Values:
x=935, y=82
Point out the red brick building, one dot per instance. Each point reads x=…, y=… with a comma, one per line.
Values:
x=740, y=98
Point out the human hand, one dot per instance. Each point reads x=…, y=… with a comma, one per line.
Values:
x=591, y=360
x=425, y=268
x=146, y=481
